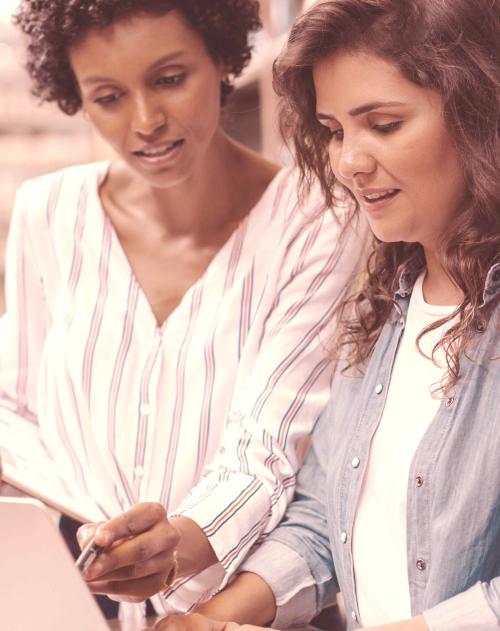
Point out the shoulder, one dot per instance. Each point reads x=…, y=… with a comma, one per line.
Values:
x=46, y=193
x=296, y=200
x=299, y=208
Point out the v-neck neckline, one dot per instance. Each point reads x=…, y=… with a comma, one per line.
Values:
x=159, y=329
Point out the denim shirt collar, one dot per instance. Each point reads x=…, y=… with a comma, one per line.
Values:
x=408, y=277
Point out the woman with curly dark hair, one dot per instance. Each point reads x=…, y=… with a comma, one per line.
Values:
x=164, y=309
x=396, y=105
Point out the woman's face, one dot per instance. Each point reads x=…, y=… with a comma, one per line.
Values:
x=152, y=91
x=390, y=146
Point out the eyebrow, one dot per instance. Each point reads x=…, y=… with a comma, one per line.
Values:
x=362, y=109
x=154, y=66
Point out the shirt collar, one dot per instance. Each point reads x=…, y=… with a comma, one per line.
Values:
x=408, y=277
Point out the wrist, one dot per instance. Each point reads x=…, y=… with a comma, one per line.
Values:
x=247, y=600
x=194, y=552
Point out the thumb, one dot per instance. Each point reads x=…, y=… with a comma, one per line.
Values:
x=85, y=533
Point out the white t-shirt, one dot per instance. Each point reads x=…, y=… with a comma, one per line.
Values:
x=379, y=537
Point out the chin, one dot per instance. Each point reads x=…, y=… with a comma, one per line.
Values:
x=389, y=233
x=387, y=236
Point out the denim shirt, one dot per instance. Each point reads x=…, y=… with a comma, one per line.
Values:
x=453, y=507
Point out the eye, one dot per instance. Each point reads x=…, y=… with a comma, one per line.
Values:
x=108, y=99
x=336, y=134
x=388, y=127
x=171, y=80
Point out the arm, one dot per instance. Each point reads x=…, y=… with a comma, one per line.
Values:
x=245, y=490
x=247, y=487
x=290, y=577
x=247, y=600
x=476, y=609
x=253, y=599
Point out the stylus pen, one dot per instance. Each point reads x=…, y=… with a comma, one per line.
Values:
x=89, y=553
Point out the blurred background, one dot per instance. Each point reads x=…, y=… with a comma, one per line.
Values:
x=36, y=139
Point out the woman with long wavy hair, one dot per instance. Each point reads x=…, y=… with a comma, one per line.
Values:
x=395, y=104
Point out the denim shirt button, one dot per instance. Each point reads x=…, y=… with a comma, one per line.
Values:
x=355, y=462
x=419, y=480
x=343, y=537
x=480, y=326
x=450, y=401
x=421, y=565
x=354, y=616
x=379, y=388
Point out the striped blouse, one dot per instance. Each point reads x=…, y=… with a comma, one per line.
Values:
x=204, y=414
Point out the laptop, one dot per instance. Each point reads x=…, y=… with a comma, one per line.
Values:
x=40, y=588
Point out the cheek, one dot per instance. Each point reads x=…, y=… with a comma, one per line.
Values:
x=110, y=126
x=199, y=109
x=333, y=158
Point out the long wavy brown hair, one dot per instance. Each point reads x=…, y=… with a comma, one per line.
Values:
x=453, y=47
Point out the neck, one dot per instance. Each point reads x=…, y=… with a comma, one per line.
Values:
x=209, y=200
x=438, y=287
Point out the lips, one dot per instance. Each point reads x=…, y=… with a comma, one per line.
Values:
x=158, y=150
x=371, y=197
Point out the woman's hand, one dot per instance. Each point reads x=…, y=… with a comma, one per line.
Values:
x=138, y=560
x=197, y=622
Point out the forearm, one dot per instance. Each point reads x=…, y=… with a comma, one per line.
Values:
x=413, y=624
x=247, y=600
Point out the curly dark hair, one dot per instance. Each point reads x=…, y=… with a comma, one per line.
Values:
x=53, y=26
x=453, y=47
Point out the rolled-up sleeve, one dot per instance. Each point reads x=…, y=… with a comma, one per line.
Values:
x=290, y=580
x=296, y=559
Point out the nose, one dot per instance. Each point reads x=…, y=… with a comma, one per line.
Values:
x=148, y=116
x=351, y=158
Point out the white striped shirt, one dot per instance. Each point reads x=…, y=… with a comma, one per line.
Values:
x=204, y=414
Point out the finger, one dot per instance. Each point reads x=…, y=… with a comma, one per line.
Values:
x=162, y=538
x=85, y=533
x=160, y=563
x=131, y=591
x=136, y=520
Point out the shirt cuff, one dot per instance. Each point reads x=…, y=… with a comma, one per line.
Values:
x=468, y=611
x=290, y=579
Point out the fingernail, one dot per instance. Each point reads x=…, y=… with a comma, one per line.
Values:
x=83, y=533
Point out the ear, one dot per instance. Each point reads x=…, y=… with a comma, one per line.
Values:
x=225, y=74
